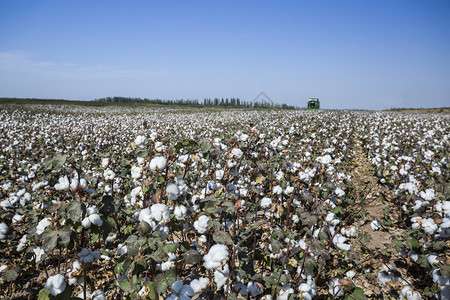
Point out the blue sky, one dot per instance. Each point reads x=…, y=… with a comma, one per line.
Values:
x=350, y=54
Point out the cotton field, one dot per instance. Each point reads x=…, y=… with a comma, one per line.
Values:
x=169, y=203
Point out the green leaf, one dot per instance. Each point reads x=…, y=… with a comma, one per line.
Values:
x=74, y=211
x=64, y=236
x=192, y=257
x=108, y=206
x=142, y=153
x=170, y=247
x=438, y=246
x=412, y=243
x=128, y=230
x=125, y=285
x=151, y=288
x=205, y=145
x=357, y=294
x=445, y=271
x=159, y=255
x=423, y=262
x=310, y=264
x=223, y=237
x=364, y=237
x=44, y=294
x=49, y=239
x=276, y=245
x=11, y=275
x=164, y=281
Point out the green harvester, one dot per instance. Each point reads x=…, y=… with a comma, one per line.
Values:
x=313, y=103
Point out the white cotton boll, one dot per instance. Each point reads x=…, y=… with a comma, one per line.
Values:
x=334, y=288
x=427, y=195
x=42, y=225
x=221, y=276
x=277, y=190
x=217, y=253
x=136, y=172
x=86, y=223
x=237, y=152
x=285, y=291
x=39, y=253
x=56, y=284
x=199, y=284
x=409, y=294
x=306, y=292
x=159, y=147
x=145, y=215
x=201, y=224
x=429, y=226
x=122, y=249
x=96, y=220
x=202, y=239
x=326, y=159
x=109, y=174
x=22, y=243
x=344, y=247
x=295, y=219
x=219, y=174
x=105, y=162
x=255, y=288
x=139, y=140
x=63, y=184
x=140, y=160
x=87, y=256
x=339, y=192
x=241, y=290
x=98, y=295
x=433, y=259
x=375, y=224
x=172, y=191
x=243, y=137
x=265, y=202
x=289, y=190
x=350, y=274
x=3, y=230
x=158, y=163
x=182, y=291
x=180, y=212
x=349, y=231
x=160, y=212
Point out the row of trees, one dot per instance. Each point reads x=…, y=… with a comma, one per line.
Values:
x=225, y=102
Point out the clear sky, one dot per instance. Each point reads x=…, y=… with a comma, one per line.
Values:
x=351, y=54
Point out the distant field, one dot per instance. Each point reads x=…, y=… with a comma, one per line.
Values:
x=444, y=110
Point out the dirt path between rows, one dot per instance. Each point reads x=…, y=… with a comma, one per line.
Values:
x=376, y=208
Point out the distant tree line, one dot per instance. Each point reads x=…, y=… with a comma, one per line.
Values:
x=223, y=102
